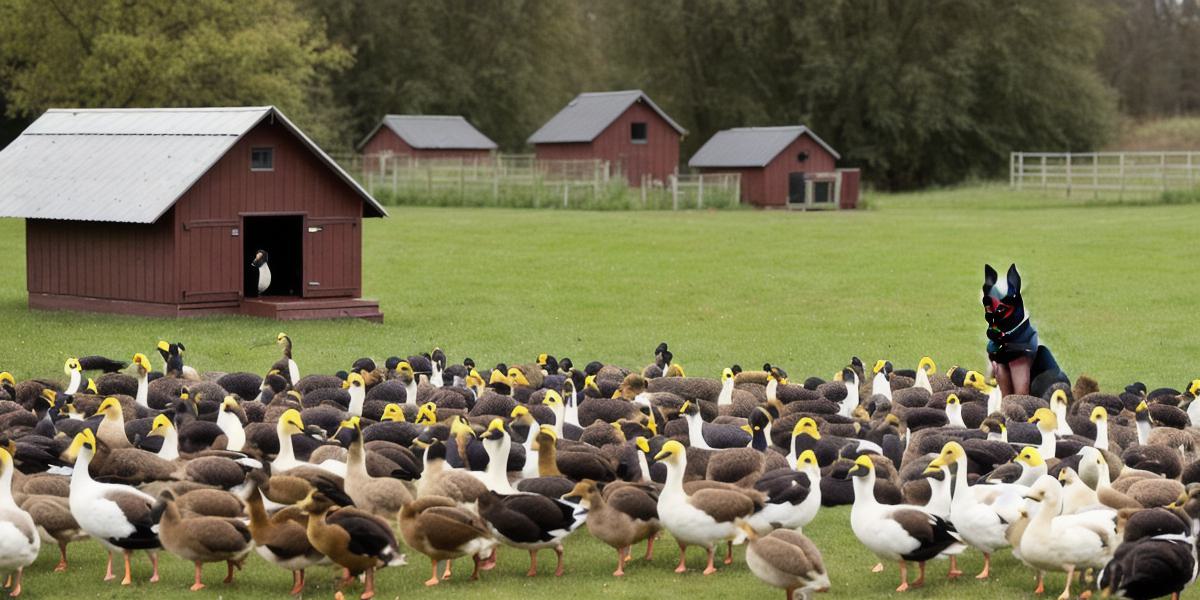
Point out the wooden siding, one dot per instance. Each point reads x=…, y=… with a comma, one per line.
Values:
x=101, y=260
x=657, y=158
x=211, y=257
x=385, y=140
x=768, y=186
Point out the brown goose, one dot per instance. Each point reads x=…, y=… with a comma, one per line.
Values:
x=282, y=539
x=786, y=559
x=203, y=539
x=356, y=540
x=436, y=527
x=380, y=496
x=628, y=515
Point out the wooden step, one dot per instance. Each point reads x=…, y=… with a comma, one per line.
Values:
x=286, y=308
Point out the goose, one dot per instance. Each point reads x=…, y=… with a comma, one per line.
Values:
x=355, y=540
x=1032, y=467
x=1193, y=407
x=201, y=539
x=620, y=518
x=978, y=524
x=172, y=355
x=437, y=479
x=264, y=271
x=75, y=374
x=282, y=538
x=901, y=532
x=725, y=398
x=118, y=516
x=925, y=368
x=530, y=522
x=550, y=481
x=1077, y=497
x=571, y=401
x=850, y=379
x=806, y=426
x=880, y=384
x=1105, y=494
x=52, y=515
x=793, y=496
x=357, y=388
x=786, y=559
x=142, y=369
x=520, y=416
x=293, y=371
x=112, y=427
x=406, y=374
x=1058, y=404
x=1151, y=566
x=437, y=363
x=1047, y=424
x=1099, y=417
x=1142, y=419
x=19, y=539
x=704, y=517
x=708, y=436
x=1065, y=543
x=976, y=380
x=290, y=423
x=954, y=411
x=380, y=496
x=231, y=425
x=498, y=444
x=436, y=527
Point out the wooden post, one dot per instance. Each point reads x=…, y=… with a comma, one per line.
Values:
x=395, y=174
x=1095, y=175
x=1191, y=176
x=1043, y=172
x=566, y=195
x=674, y=192
x=1068, y=174
x=737, y=189
x=1012, y=170
x=1121, y=174
x=700, y=191
x=1163, y=170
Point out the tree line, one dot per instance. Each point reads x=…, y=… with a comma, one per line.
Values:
x=917, y=93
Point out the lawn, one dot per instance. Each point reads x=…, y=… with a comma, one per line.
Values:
x=1112, y=290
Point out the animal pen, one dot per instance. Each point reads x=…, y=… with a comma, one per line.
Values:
x=522, y=180
x=1121, y=174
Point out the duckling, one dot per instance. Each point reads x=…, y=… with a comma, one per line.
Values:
x=786, y=559
x=704, y=517
x=282, y=538
x=203, y=539
x=120, y=517
x=900, y=532
x=19, y=539
x=1066, y=543
x=353, y=539
x=625, y=516
x=436, y=527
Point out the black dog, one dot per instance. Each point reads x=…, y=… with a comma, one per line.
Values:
x=1020, y=364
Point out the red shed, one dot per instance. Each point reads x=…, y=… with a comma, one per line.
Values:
x=627, y=129
x=779, y=166
x=426, y=136
x=161, y=211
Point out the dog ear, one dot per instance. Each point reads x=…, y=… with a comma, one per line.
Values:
x=989, y=277
x=1014, y=280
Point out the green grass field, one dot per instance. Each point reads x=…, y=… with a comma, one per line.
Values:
x=1112, y=289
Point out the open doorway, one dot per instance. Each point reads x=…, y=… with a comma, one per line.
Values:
x=282, y=237
x=796, y=188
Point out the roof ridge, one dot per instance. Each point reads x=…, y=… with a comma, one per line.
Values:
x=161, y=109
x=612, y=93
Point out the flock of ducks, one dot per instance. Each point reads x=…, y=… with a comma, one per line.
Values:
x=455, y=460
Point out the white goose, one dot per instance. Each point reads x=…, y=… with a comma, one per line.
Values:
x=521, y=415
x=164, y=428
x=954, y=411
x=118, y=516
x=880, y=384
x=725, y=398
x=850, y=379
x=1100, y=418
x=976, y=380
x=293, y=370
x=72, y=370
x=979, y=525
x=19, y=539
x=497, y=443
x=1058, y=404
x=231, y=425
x=925, y=368
x=290, y=423
x=357, y=388
x=571, y=400
x=1047, y=424
x=1142, y=418
x=786, y=513
x=1066, y=543
x=142, y=368
x=901, y=532
x=1193, y=407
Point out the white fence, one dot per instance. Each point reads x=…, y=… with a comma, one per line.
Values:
x=1107, y=173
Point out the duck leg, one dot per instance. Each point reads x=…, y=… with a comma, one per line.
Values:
x=154, y=563
x=446, y=574
x=128, y=570
x=921, y=577
x=489, y=562
x=433, y=579
x=1041, y=583
x=903, y=587
x=229, y=566
x=878, y=568
x=558, y=569
x=197, y=586
x=620, y=572
x=369, y=592
x=650, y=546
x=16, y=588
x=987, y=566
x=712, y=554
x=346, y=579
x=62, y=561
x=478, y=567
x=729, y=555
x=532, y=563
x=108, y=574
x=297, y=582
x=1066, y=595
x=682, y=567
x=954, y=572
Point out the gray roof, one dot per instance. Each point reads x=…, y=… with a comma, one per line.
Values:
x=126, y=165
x=750, y=146
x=583, y=118
x=434, y=132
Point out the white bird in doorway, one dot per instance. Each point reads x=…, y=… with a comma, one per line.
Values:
x=264, y=271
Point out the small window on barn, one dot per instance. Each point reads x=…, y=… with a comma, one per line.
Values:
x=803, y=156
x=637, y=133
x=262, y=159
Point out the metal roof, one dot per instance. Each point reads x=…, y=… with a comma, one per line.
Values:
x=583, y=118
x=127, y=165
x=434, y=132
x=750, y=146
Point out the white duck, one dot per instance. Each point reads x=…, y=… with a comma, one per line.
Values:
x=72, y=370
x=850, y=379
x=357, y=388
x=925, y=368
x=1058, y=404
x=1047, y=424
x=571, y=401
x=19, y=539
x=142, y=367
x=725, y=398
x=497, y=443
x=290, y=423
x=976, y=380
x=264, y=271
x=1193, y=407
x=954, y=411
x=231, y=425
x=880, y=384
x=979, y=525
x=1066, y=543
x=901, y=532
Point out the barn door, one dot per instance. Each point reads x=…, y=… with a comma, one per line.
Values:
x=332, y=257
x=796, y=188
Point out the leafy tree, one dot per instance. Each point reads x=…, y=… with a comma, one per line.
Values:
x=164, y=53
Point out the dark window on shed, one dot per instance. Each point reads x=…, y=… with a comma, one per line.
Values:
x=262, y=159
x=803, y=156
x=637, y=133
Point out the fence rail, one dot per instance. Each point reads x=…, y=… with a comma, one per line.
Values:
x=1096, y=173
x=522, y=180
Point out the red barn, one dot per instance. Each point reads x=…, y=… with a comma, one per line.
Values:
x=627, y=129
x=160, y=212
x=426, y=136
x=779, y=166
